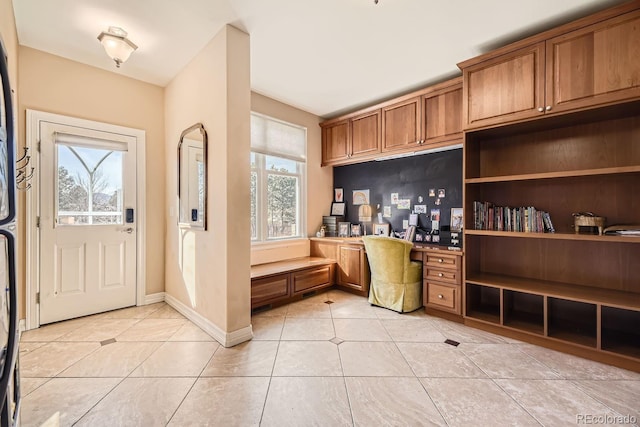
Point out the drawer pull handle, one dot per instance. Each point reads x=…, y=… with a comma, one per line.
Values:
x=440, y=296
x=440, y=260
x=440, y=274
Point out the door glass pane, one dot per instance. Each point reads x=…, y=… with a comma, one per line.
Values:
x=89, y=186
x=282, y=206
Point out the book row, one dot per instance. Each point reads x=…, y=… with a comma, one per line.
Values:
x=487, y=216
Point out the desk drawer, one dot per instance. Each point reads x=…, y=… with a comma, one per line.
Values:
x=442, y=297
x=306, y=280
x=442, y=275
x=440, y=260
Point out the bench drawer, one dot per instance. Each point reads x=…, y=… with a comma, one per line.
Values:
x=269, y=290
x=306, y=280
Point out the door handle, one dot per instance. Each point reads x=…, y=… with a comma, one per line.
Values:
x=127, y=230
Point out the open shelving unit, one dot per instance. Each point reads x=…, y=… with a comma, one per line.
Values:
x=574, y=291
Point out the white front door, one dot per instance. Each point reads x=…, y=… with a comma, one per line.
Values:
x=87, y=221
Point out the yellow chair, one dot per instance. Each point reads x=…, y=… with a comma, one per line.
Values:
x=396, y=281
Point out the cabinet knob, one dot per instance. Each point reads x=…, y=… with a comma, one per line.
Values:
x=548, y=108
x=440, y=274
x=440, y=260
x=540, y=109
x=440, y=296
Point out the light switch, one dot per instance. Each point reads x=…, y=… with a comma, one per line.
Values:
x=405, y=224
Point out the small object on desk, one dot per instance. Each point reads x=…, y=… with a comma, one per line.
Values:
x=588, y=219
x=344, y=229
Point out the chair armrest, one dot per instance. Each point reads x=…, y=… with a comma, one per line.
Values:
x=414, y=272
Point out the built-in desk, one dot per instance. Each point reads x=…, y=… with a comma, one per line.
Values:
x=441, y=267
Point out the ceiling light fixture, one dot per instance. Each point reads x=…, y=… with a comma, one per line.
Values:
x=117, y=45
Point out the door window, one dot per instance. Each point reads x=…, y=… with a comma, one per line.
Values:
x=88, y=186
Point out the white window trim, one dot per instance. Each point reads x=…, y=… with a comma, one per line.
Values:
x=262, y=173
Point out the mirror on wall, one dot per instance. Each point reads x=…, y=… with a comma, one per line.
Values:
x=192, y=177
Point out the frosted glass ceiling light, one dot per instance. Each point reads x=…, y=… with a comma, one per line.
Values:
x=116, y=44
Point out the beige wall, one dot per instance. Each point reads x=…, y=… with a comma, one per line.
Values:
x=53, y=84
x=319, y=180
x=209, y=271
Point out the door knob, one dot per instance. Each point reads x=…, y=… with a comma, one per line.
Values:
x=127, y=230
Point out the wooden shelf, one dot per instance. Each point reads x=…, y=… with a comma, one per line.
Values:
x=580, y=339
x=526, y=322
x=555, y=236
x=551, y=175
x=487, y=315
x=558, y=290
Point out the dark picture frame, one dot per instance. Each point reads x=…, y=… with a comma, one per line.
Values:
x=338, y=209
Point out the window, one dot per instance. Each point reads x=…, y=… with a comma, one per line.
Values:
x=278, y=173
x=89, y=182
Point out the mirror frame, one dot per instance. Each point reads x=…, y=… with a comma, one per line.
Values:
x=199, y=127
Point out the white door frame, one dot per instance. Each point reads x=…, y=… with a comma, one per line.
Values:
x=32, y=140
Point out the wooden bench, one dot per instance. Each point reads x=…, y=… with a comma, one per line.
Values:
x=280, y=282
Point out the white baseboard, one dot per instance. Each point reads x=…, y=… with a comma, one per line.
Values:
x=154, y=298
x=227, y=339
x=21, y=327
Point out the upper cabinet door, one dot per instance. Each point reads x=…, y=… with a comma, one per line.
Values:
x=335, y=142
x=401, y=124
x=595, y=65
x=505, y=88
x=366, y=133
x=442, y=115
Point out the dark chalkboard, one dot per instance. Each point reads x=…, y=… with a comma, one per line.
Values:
x=410, y=177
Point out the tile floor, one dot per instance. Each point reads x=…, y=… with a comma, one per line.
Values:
x=310, y=363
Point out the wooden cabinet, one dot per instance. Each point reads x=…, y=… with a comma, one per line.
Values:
x=351, y=139
x=401, y=124
x=353, y=268
x=365, y=134
x=595, y=65
x=442, y=114
x=555, y=287
x=593, y=62
x=442, y=281
x=506, y=88
x=428, y=118
x=335, y=142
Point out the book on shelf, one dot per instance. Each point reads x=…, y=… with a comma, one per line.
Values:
x=487, y=216
x=623, y=230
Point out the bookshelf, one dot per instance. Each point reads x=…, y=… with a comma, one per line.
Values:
x=574, y=292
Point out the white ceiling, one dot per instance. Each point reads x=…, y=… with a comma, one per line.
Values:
x=325, y=56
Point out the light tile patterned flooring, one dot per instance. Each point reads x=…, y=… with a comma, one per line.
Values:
x=310, y=363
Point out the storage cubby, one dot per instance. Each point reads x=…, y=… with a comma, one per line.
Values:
x=572, y=321
x=524, y=311
x=561, y=147
x=621, y=331
x=483, y=303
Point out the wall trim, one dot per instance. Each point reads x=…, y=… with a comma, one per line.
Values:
x=227, y=339
x=154, y=298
